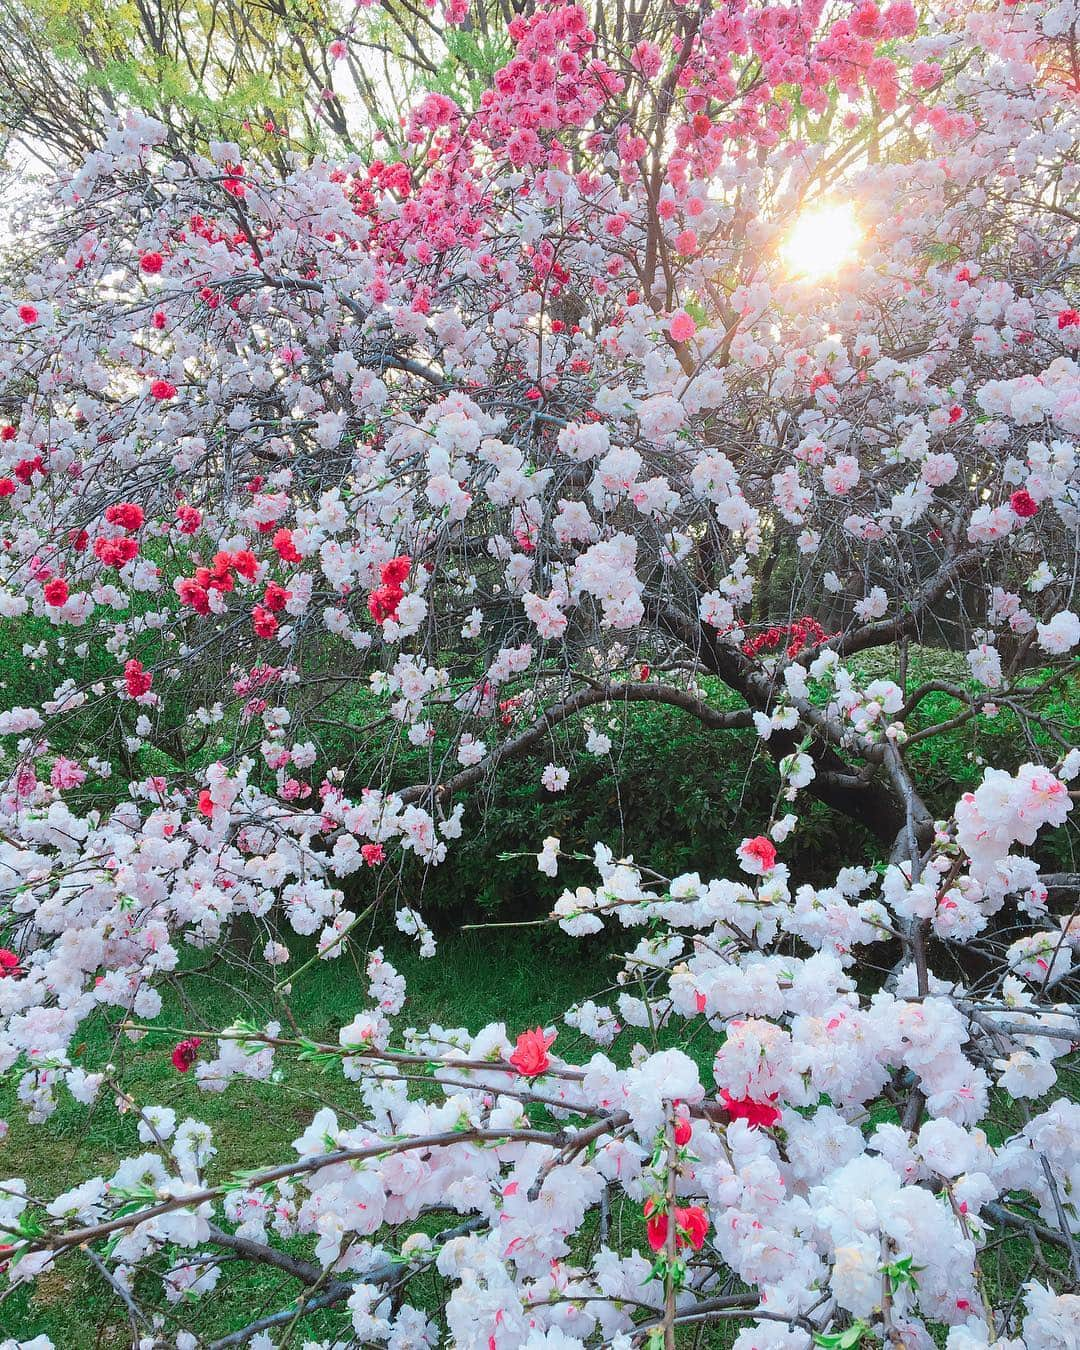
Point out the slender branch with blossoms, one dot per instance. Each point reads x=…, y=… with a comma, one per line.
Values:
x=832, y=1150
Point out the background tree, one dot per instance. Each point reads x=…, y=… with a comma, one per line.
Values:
x=281, y=74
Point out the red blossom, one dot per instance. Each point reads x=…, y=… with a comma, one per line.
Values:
x=383, y=602
x=185, y=1053
x=694, y=1222
x=244, y=563
x=116, y=552
x=691, y=1225
x=219, y=577
x=394, y=572
x=56, y=592
x=188, y=518
x=286, y=549
x=193, y=595
x=26, y=468
x=263, y=622
x=128, y=515
x=756, y=1114
x=137, y=680
x=530, y=1056
x=656, y=1226
x=275, y=597
x=802, y=633
x=761, y=848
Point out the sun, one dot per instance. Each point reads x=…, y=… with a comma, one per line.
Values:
x=821, y=241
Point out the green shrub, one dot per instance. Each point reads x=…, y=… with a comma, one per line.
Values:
x=673, y=793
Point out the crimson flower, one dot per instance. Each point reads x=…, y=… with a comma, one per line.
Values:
x=761, y=849
x=275, y=597
x=694, y=1222
x=26, y=468
x=394, y=572
x=383, y=602
x=530, y=1057
x=286, y=549
x=1024, y=504
x=691, y=1225
x=755, y=1113
x=191, y=593
x=185, y=1053
x=138, y=681
x=128, y=515
x=655, y=1227
x=116, y=552
x=263, y=622
x=245, y=563
x=56, y=592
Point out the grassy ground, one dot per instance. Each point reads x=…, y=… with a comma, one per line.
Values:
x=477, y=977
x=675, y=786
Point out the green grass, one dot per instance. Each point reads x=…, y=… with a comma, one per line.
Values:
x=493, y=974
x=476, y=978
x=682, y=801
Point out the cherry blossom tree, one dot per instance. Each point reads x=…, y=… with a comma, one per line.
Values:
x=712, y=353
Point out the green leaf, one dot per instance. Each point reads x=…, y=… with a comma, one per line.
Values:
x=843, y=1340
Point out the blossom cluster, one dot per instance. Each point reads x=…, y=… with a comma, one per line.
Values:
x=824, y=1145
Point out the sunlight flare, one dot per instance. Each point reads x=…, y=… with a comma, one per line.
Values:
x=821, y=241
